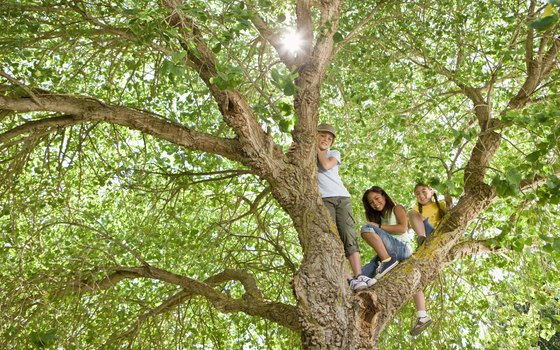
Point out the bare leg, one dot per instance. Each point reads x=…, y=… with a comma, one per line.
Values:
x=354, y=260
x=417, y=222
x=419, y=301
x=376, y=243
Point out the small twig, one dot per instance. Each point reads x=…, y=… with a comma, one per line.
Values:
x=21, y=85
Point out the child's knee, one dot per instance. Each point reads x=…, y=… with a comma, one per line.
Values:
x=367, y=229
x=413, y=214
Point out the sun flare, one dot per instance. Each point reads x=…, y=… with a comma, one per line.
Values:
x=292, y=41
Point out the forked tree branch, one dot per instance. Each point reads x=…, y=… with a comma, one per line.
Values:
x=273, y=37
x=251, y=303
x=166, y=306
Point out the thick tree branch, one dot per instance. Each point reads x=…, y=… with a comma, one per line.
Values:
x=538, y=69
x=183, y=295
x=311, y=74
x=252, y=302
x=468, y=248
x=529, y=42
x=78, y=110
x=305, y=29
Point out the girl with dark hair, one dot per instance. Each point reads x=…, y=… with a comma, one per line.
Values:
x=386, y=231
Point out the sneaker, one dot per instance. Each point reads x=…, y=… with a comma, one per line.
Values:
x=420, y=240
x=385, y=267
x=368, y=281
x=420, y=325
x=357, y=285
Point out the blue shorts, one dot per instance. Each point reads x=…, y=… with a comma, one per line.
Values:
x=396, y=249
x=428, y=228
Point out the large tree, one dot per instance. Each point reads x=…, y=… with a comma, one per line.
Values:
x=151, y=196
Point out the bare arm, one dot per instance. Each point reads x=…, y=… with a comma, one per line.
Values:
x=402, y=222
x=326, y=163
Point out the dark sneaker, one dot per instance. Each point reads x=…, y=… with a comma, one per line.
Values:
x=357, y=285
x=420, y=240
x=385, y=267
x=420, y=325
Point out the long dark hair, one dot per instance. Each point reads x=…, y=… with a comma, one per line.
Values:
x=440, y=212
x=376, y=215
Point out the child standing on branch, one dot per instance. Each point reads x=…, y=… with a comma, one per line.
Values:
x=337, y=200
x=426, y=214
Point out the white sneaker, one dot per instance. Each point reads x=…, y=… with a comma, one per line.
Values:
x=356, y=285
x=361, y=282
x=369, y=281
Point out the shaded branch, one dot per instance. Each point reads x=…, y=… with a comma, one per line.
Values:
x=246, y=279
x=532, y=184
x=77, y=109
x=21, y=85
x=537, y=70
x=252, y=302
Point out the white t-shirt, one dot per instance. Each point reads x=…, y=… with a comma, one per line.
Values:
x=330, y=183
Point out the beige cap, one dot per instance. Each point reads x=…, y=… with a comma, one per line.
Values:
x=327, y=128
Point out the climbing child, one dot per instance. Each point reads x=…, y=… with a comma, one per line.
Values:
x=424, y=217
x=337, y=200
x=386, y=231
x=426, y=214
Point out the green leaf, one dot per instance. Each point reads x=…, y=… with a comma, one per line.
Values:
x=337, y=37
x=228, y=78
x=289, y=88
x=276, y=76
x=217, y=48
x=43, y=340
x=513, y=177
x=544, y=23
x=285, y=125
x=285, y=108
x=533, y=157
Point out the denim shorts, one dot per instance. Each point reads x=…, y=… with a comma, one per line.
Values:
x=396, y=249
x=428, y=228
